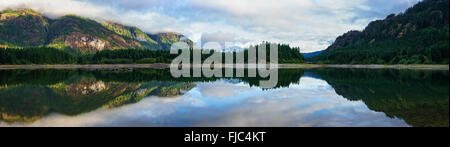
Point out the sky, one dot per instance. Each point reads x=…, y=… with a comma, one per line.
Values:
x=311, y=25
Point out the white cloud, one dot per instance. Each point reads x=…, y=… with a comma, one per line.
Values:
x=56, y=8
x=223, y=89
x=148, y=21
x=310, y=24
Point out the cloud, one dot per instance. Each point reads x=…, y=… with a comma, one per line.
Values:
x=224, y=89
x=313, y=102
x=309, y=24
x=219, y=37
x=57, y=8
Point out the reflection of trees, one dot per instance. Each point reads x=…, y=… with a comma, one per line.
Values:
x=52, y=76
x=28, y=95
x=419, y=97
x=285, y=77
x=31, y=94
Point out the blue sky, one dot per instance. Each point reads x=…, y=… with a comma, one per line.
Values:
x=309, y=24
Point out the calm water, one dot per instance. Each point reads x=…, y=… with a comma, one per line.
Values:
x=146, y=97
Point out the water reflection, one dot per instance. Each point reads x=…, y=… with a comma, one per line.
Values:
x=315, y=97
x=418, y=97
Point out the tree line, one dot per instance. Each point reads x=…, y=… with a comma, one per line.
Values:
x=428, y=46
x=418, y=36
x=44, y=55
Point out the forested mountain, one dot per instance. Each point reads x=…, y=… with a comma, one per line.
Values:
x=420, y=35
x=28, y=37
x=28, y=28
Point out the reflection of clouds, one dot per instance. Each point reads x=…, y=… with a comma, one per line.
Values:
x=313, y=103
x=309, y=113
x=145, y=113
x=222, y=89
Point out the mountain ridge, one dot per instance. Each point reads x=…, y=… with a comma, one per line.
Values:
x=28, y=28
x=418, y=36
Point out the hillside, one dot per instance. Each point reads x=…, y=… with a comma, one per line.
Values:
x=418, y=36
x=22, y=28
x=28, y=28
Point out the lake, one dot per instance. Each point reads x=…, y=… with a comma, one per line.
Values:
x=320, y=97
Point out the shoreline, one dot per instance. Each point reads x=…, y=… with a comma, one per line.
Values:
x=368, y=66
x=165, y=66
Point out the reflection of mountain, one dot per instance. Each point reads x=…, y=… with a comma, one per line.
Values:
x=286, y=77
x=419, y=97
x=71, y=92
x=28, y=95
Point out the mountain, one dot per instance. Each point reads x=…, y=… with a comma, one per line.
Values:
x=22, y=28
x=167, y=39
x=312, y=54
x=28, y=28
x=420, y=35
